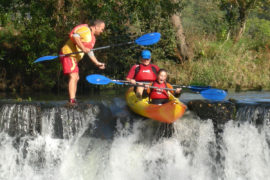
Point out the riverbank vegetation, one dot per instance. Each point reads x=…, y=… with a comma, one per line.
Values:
x=224, y=43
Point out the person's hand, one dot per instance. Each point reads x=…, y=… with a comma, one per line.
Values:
x=86, y=50
x=132, y=81
x=146, y=86
x=140, y=84
x=178, y=90
x=101, y=65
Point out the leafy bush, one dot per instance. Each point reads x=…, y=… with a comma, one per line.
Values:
x=258, y=32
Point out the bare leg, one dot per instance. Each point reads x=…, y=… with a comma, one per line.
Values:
x=139, y=92
x=72, y=85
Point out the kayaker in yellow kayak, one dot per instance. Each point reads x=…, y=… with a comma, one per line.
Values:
x=81, y=38
x=143, y=72
x=161, y=96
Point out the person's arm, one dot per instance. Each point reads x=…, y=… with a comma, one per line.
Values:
x=176, y=93
x=95, y=61
x=148, y=90
x=132, y=81
x=131, y=74
x=79, y=43
x=77, y=39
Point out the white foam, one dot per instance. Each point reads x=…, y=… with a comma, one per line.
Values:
x=136, y=153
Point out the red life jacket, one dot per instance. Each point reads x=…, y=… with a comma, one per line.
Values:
x=145, y=73
x=88, y=44
x=159, y=94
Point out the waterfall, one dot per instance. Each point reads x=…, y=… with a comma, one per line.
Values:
x=104, y=140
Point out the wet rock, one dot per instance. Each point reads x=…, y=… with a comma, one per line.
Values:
x=220, y=112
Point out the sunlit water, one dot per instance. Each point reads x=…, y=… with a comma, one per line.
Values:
x=137, y=152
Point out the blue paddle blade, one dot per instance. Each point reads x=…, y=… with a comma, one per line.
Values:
x=98, y=79
x=45, y=58
x=199, y=88
x=117, y=82
x=214, y=94
x=148, y=39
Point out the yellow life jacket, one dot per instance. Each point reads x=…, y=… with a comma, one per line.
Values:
x=87, y=37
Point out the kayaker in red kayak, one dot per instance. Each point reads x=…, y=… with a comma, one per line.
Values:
x=81, y=38
x=161, y=96
x=143, y=72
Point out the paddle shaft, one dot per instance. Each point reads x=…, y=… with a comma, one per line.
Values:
x=153, y=87
x=181, y=86
x=99, y=48
x=109, y=46
x=144, y=83
x=192, y=88
x=167, y=89
x=178, y=86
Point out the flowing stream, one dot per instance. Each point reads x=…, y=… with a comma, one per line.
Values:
x=105, y=141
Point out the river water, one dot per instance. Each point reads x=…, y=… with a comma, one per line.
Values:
x=130, y=148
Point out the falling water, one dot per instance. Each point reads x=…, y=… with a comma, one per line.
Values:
x=106, y=141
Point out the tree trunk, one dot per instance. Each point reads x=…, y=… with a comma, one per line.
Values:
x=183, y=51
x=3, y=79
x=242, y=17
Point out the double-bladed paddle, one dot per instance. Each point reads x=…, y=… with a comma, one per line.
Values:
x=193, y=88
x=144, y=40
x=206, y=91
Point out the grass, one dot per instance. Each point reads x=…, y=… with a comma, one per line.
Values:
x=225, y=65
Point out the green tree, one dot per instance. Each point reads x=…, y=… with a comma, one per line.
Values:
x=237, y=12
x=31, y=29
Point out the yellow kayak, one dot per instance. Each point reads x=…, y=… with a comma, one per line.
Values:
x=167, y=113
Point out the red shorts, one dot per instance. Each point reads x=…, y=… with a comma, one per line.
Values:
x=69, y=64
